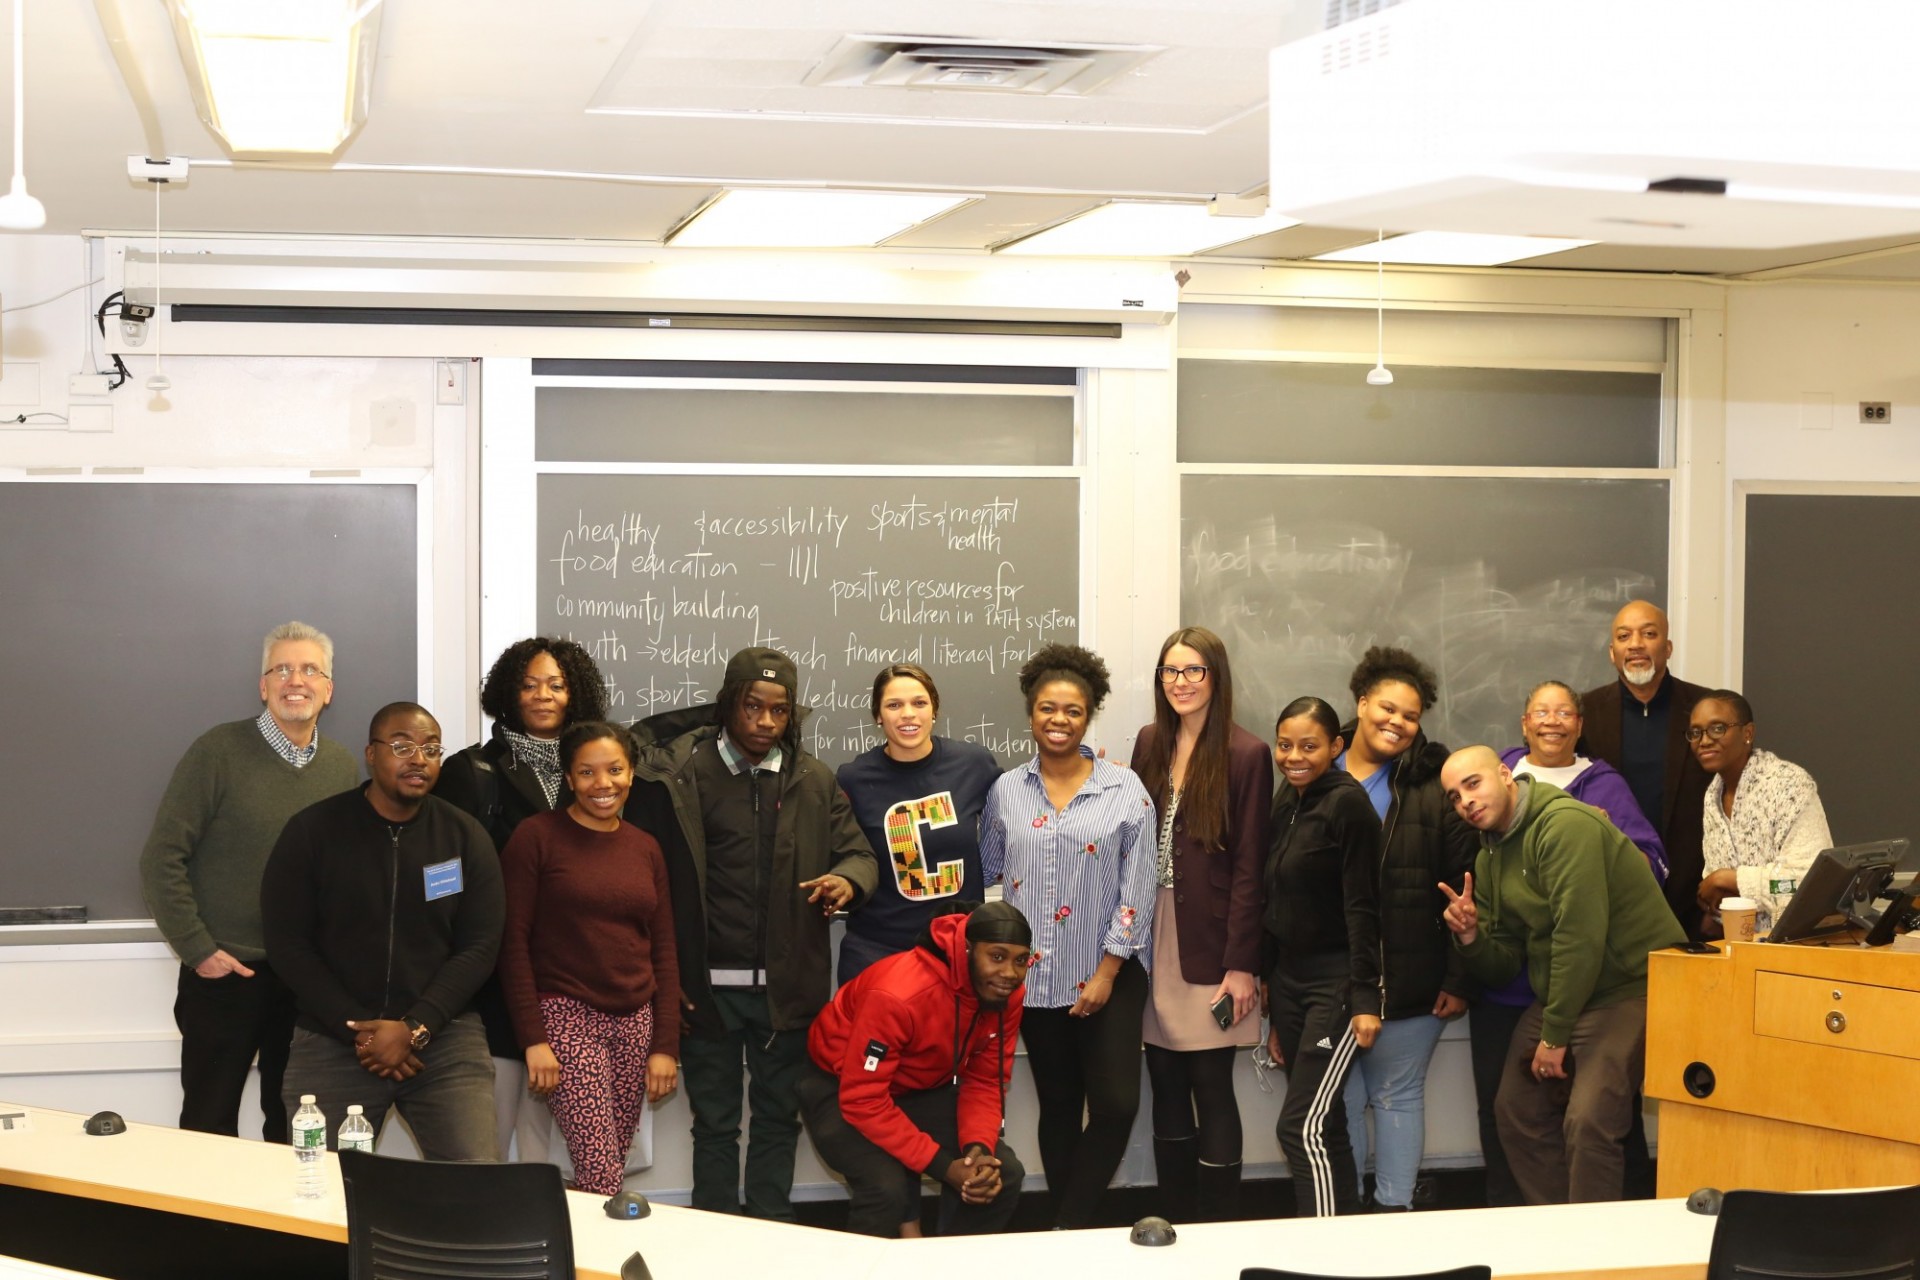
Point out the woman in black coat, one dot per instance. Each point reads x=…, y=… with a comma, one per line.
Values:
x=1422, y=843
x=535, y=690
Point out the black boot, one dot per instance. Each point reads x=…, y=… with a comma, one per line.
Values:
x=1175, y=1161
x=1219, y=1186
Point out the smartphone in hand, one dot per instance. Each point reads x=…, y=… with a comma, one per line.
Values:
x=1222, y=1010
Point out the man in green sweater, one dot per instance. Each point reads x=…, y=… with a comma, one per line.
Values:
x=230, y=795
x=1558, y=888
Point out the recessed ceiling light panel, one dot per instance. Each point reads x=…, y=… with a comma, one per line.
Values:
x=768, y=219
x=1452, y=249
x=1125, y=229
x=279, y=77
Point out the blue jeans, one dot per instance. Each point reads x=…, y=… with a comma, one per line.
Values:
x=1392, y=1078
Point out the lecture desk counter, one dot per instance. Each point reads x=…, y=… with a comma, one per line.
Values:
x=246, y=1183
x=238, y=1181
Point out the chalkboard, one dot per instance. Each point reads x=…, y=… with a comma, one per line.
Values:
x=1829, y=632
x=663, y=577
x=1286, y=411
x=134, y=618
x=1496, y=584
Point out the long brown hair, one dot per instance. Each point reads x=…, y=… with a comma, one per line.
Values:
x=1203, y=801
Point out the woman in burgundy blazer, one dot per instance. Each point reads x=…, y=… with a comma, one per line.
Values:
x=1212, y=785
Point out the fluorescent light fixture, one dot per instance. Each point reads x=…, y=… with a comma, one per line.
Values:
x=279, y=77
x=1451, y=249
x=1137, y=230
x=769, y=219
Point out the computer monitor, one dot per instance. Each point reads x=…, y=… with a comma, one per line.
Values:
x=1840, y=891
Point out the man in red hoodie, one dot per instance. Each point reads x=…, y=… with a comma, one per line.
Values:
x=910, y=1067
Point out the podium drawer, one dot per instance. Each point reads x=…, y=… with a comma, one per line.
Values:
x=1841, y=1015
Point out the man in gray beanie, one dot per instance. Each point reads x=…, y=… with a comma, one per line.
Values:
x=909, y=1075
x=762, y=849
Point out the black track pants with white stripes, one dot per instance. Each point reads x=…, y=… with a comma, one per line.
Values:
x=1316, y=1035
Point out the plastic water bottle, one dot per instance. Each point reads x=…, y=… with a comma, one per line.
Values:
x=309, y=1148
x=355, y=1133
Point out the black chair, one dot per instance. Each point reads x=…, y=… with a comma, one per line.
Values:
x=1817, y=1235
x=1458, y=1273
x=435, y=1220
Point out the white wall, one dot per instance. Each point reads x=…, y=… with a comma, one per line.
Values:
x=91, y=1027
x=1800, y=358
x=1793, y=348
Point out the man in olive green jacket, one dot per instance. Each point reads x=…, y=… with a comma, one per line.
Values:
x=762, y=849
x=1559, y=888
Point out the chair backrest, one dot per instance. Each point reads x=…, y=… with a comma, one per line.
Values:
x=1817, y=1235
x=435, y=1220
x=1457, y=1273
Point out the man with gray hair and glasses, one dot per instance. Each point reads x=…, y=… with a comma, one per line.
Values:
x=230, y=795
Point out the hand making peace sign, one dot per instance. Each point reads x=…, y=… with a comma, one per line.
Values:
x=1461, y=915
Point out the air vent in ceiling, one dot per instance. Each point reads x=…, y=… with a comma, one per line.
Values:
x=1341, y=12
x=1367, y=43
x=939, y=62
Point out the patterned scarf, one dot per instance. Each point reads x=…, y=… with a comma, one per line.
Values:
x=542, y=755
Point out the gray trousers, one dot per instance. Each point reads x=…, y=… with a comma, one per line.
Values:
x=449, y=1105
x=1562, y=1137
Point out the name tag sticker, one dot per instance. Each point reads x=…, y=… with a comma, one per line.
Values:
x=16, y=1122
x=444, y=879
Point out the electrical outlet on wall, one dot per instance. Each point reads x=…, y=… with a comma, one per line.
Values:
x=1878, y=412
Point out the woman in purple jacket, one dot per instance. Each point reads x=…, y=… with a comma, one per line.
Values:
x=1212, y=788
x=1551, y=726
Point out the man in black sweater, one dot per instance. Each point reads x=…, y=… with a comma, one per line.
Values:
x=382, y=910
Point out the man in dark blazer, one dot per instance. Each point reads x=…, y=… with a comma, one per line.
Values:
x=1638, y=724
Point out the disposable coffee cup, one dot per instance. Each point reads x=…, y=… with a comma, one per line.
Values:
x=1737, y=918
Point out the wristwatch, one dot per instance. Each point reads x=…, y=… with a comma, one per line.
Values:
x=417, y=1033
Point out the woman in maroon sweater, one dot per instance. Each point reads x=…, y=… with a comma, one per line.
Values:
x=588, y=962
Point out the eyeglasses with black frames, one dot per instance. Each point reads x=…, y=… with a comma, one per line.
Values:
x=1716, y=731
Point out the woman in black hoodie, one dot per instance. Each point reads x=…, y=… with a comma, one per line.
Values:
x=1323, y=985
x=1422, y=843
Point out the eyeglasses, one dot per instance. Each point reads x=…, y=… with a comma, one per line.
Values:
x=1540, y=715
x=1195, y=674
x=407, y=750
x=1716, y=731
x=306, y=670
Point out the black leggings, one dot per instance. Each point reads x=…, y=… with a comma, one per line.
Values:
x=1193, y=1097
x=1086, y=1067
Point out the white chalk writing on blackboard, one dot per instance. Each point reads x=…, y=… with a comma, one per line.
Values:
x=663, y=578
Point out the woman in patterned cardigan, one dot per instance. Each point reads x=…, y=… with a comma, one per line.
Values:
x=1764, y=823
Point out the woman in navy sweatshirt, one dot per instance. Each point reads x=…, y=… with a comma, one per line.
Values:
x=918, y=797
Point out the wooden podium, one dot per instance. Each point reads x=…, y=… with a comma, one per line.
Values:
x=1785, y=1068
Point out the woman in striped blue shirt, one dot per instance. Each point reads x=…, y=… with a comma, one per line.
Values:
x=1072, y=839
